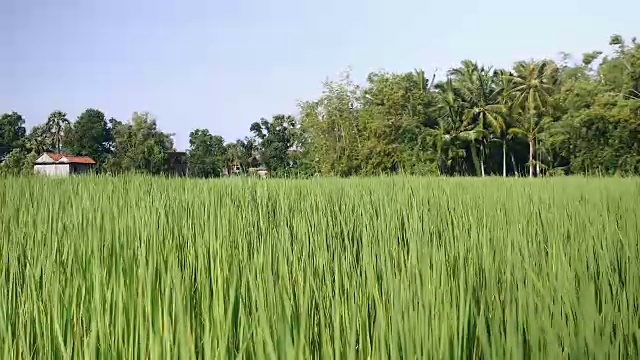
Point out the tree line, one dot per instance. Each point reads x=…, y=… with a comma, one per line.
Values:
x=541, y=117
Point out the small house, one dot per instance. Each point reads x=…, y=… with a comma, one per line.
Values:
x=260, y=171
x=233, y=169
x=56, y=164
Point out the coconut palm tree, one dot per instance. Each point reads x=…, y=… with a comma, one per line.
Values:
x=510, y=114
x=483, y=117
x=450, y=124
x=533, y=84
x=55, y=125
x=39, y=140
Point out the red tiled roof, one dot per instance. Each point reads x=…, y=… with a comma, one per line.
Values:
x=55, y=156
x=72, y=159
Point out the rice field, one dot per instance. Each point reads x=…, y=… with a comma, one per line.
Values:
x=384, y=268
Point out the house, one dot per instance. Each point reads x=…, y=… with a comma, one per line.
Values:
x=55, y=164
x=260, y=171
x=233, y=169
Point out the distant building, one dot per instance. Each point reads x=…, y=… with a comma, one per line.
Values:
x=233, y=169
x=55, y=164
x=259, y=171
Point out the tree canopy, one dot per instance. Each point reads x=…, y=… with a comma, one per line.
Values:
x=12, y=133
x=89, y=135
x=207, y=154
x=139, y=146
x=539, y=117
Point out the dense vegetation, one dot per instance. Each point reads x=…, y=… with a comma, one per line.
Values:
x=540, y=117
x=362, y=268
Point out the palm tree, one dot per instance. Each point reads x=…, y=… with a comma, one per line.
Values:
x=533, y=85
x=39, y=140
x=450, y=125
x=510, y=114
x=55, y=126
x=483, y=115
x=234, y=158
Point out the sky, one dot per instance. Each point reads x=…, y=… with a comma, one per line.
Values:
x=222, y=65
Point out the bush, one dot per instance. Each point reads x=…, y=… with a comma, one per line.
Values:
x=18, y=162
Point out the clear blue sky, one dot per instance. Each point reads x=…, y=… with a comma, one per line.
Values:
x=224, y=64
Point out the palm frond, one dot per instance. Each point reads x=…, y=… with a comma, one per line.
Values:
x=516, y=132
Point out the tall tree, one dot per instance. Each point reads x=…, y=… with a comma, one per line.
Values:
x=483, y=117
x=511, y=115
x=276, y=138
x=89, y=135
x=207, y=154
x=12, y=133
x=249, y=154
x=533, y=86
x=393, y=115
x=39, y=140
x=450, y=124
x=333, y=131
x=139, y=146
x=56, y=124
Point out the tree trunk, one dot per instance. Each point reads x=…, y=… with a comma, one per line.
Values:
x=482, y=166
x=504, y=158
x=476, y=162
x=531, y=156
x=440, y=167
x=515, y=167
x=537, y=160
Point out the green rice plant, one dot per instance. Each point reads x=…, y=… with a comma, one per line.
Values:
x=386, y=268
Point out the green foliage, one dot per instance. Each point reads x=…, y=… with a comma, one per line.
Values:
x=18, y=162
x=333, y=134
x=579, y=118
x=572, y=116
x=207, y=154
x=151, y=268
x=275, y=139
x=56, y=125
x=138, y=146
x=90, y=136
x=351, y=130
x=39, y=139
x=242, y=152
x=12, y=133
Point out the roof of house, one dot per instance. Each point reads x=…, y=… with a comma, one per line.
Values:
x=58, y=158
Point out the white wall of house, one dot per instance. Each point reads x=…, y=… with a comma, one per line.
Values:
x=52, y=169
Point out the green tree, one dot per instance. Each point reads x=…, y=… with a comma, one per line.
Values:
x=249, y=153
x=89, y=135
x=56, y=124
x=393, y=116
x=207, y=154
x=276, y=138
x=39, y=140
x=511, y=116
x=12, y=133
x=244, y=152
x=483, y=115
x=533, y=86
x=445, y=135
x=18, y=162
x=139, y=146
x=333, y=134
